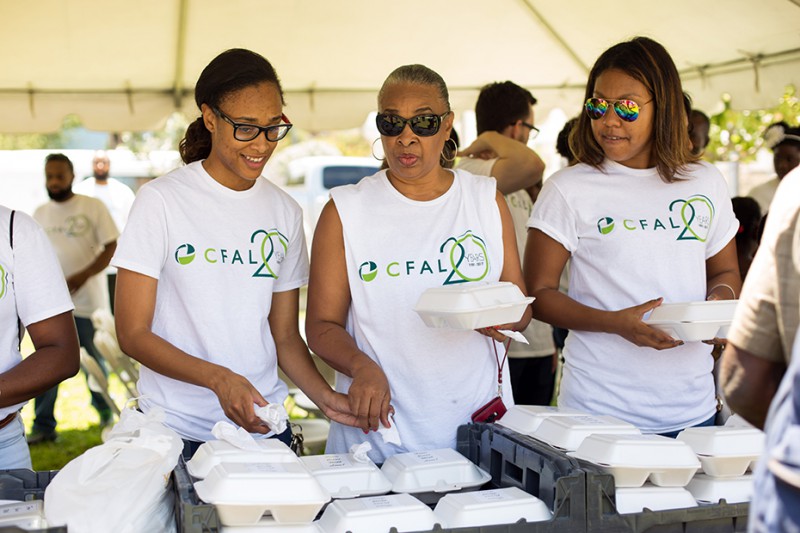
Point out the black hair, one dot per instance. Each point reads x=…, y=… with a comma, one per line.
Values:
x=562, y=141
x=502, y=104
x=230, y=71
x=62, y=158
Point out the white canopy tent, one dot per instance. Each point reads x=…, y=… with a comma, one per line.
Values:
x=126, y=65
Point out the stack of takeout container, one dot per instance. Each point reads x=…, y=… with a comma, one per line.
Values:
x=726, y=453
x=568, y=432
x=694, y=321
x=526, y=419
x=344, y=476
x=472, y=305
x=489, y=507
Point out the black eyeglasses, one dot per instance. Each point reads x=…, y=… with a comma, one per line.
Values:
x=422, y=125
x=247, y=132
x=534, y=130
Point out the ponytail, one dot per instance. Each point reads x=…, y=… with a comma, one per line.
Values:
x=196, y=144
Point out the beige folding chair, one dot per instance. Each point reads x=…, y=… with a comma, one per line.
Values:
x=102, y=319
x=97, y=380
x=121, y=364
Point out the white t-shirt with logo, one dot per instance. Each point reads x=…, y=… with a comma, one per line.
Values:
x=395, y=248
x=32, y=286
x=633, y=237
x=79, y=229
x=218, y=256
x=538, y=334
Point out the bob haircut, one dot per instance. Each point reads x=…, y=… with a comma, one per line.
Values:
x=649, y=63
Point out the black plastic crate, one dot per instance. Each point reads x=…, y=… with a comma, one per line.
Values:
x=26, y=485
x=192, y=515
x=603, y=516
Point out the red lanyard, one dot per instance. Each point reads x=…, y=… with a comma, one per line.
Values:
x=499, y=364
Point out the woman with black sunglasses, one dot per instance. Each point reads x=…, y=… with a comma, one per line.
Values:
x=644, y=222
x=210, y=266
x=378, y=245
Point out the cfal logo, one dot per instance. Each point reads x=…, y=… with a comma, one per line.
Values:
x=185, y=254
x=605, y=225
x=368, y=271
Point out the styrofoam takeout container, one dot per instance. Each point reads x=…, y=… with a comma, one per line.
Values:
x=472, y=305
x=268, y=525
x=526, y=419
x=568, y=432
x=377, y=514
x=694, y=321
x=214, y=452
x=724, y=451
x=243, y=492
x=635, y=500
x=439, y=471
x=710, y=489
x=489, y=507
x=344, y=477
x=632, y=459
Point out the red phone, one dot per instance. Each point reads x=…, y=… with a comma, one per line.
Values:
x=491, y=412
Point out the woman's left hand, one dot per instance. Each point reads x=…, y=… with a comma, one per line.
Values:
x=493, y=333
x=336, y=406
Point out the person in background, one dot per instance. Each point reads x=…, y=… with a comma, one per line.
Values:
x=699, y=126
x=412, y=227
x=34, y=296
x=748, y=213
x=84, y=237
x=211, y=264
x=117, y=197
x=762, y=343
x=784, y=142
x=504, y=112
x=620, y=217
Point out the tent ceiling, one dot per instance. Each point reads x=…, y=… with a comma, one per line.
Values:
x=127, y=65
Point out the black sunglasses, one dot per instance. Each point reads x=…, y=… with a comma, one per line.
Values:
x=247, y=132
x=422, y=125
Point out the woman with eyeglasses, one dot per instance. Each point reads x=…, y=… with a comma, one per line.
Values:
x=644, y=222
x=210, y=266
x=382, y=242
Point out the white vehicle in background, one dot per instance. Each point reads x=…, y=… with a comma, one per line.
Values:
x=311, y=179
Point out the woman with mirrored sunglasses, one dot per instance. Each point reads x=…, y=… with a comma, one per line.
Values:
x=210, y=266
x=378, y=245
x=643, y=222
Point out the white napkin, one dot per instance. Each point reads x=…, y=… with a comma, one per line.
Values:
x=359, y=452
x=390, y=435
x=275, y=415
x=237, y=436
x=516, y=335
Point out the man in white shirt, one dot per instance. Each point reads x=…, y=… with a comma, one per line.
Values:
x=504, y=113
x=84, y=237
x=117, y=197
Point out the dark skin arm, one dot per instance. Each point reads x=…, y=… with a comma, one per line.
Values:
x=749, y=383
x=56, y=358
x=101, y=262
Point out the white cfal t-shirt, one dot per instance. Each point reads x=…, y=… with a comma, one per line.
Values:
x=32, y=286
x=117, y=197
x=79, y=229
x=218, y=256
x=634, y=237
x=538, y=334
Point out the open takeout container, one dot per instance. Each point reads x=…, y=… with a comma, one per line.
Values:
x=432, y=471
x=526, y=419
x=213, y=452
x=489, y=507
x=635, y=500
x=725, y=451
x=633, y=459
x=243, y=492
x=469, y=306
x=377, y=514
x=568, y=432
x=344, y=477
x=708, y=489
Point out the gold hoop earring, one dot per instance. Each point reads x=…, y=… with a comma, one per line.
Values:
x=455, y=151
x=373, y=150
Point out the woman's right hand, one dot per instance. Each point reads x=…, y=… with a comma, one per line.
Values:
x=628, y=324
x=370, y=396
x=237, y=395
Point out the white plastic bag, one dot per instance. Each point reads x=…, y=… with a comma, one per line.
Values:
x=122, y=484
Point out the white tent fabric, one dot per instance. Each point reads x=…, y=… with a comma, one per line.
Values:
x=126, y=65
